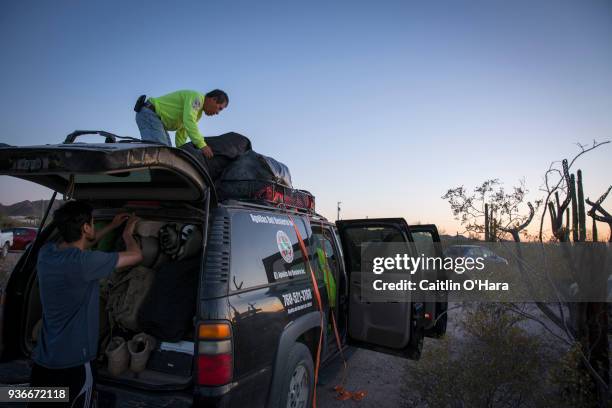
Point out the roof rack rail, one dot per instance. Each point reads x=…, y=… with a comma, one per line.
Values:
x=109, y=137
x=262, y=204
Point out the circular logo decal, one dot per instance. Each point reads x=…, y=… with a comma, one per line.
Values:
x=284, y=246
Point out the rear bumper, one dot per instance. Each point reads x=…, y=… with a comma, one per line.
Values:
x=249, y=391
x=114, y=396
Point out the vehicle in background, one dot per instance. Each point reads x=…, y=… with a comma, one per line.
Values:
x=22, y=237
x=6, y=241
x=473, y=252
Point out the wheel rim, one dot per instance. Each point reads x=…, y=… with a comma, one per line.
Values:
x=299, y=388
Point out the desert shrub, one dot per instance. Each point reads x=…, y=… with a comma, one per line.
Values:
x=573, y=385
x=493, y=362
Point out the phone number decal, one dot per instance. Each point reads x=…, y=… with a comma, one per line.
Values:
x=298, y=300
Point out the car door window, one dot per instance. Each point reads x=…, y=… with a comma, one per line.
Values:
x=265, y=250
x=326, y=261
x=424, y=243
x=357, y=238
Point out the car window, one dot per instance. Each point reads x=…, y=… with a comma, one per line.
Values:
x=265, y=249
x=358, y=238
x=475, y=252
x=326, y=261
x=487, y=252
x=326, y=254
x=424, y=243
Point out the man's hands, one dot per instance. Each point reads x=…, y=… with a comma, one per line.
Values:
x=128, y=231
x=116, y=222
x=207, y=152
x=132, y=254
x=119, y=219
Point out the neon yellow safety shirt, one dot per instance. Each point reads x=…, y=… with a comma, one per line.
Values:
x=181, y=111
x=328, y=277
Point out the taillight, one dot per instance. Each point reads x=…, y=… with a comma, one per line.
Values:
x=215, y=361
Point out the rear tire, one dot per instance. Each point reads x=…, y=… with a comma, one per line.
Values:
x=4, y=250
x=298, y=379
x=439, y=329
x=417, y=335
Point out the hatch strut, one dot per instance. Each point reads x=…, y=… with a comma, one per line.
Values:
x=69, y=193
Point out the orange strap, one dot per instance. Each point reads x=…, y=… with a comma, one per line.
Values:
x=342, y=393
x=319, y=304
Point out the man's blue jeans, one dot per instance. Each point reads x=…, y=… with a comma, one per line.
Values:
x=151, y=127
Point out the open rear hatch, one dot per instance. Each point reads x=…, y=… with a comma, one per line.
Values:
x=109, y=172
x=116, y=170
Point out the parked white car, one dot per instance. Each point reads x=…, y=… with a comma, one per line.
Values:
x=6, y=241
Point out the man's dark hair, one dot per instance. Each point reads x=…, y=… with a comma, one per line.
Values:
x=219, y=96
x=70, y=217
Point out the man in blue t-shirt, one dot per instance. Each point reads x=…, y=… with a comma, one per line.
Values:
x=68, y=278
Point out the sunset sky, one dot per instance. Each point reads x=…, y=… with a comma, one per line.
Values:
x=381, y=105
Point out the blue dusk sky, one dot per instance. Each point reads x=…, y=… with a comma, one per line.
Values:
x=381, y=105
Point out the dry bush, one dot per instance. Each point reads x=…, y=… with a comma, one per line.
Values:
x=493, y=363
x=575, y=387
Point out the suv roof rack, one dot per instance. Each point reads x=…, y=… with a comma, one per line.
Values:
x=268, y=193
x=263, y=205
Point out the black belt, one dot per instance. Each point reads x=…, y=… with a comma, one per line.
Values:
x=149, y=105
x=143, y=102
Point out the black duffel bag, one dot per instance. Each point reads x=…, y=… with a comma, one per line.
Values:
x=248, y=173
x=168, y=310
x=255, y=166
x=226, y=148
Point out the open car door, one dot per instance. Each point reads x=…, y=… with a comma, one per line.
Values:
x=116, y=169
x=391, y=327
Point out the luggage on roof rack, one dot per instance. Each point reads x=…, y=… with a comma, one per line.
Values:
x=254, y=176
x=227, y=148
x=267, y=192
x=254, y=166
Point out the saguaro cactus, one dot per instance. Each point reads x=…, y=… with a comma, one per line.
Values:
x=557, y=213
x=581, y=212
x=486, y=226
x=567, y=224
x=493, y=224
x=572, y=193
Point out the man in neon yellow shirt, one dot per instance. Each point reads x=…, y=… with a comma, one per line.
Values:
x=179, y=111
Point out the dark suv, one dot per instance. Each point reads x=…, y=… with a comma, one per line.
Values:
x=255, y=324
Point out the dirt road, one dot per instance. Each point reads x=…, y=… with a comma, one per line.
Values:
x=378, y=374
x=384, y=377
x=7, y=264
